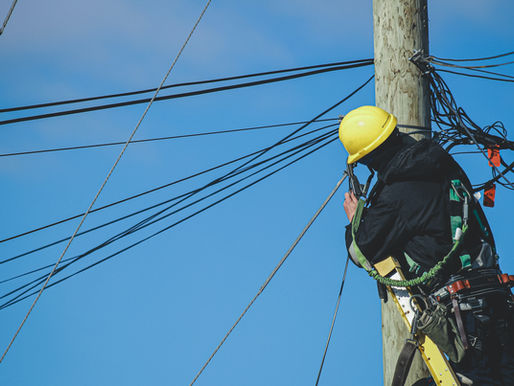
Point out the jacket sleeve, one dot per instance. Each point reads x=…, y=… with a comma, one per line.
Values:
x=381, y=233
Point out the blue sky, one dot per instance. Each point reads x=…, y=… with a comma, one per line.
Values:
x=153, y=315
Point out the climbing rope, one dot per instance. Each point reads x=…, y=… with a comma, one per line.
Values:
x=104, y=182
x=275, y=270
x=338, y=302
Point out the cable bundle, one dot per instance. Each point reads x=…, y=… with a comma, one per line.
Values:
x=457, y=128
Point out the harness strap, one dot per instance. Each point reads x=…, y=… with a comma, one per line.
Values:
x=460, y=324
x=404, y=362
x=355, y=252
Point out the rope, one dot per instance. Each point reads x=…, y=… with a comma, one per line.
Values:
x=8, y=16
x=104, y=182
x=275, y=270
x=425, y=276
x=333, y=320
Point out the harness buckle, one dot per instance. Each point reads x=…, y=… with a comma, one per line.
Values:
x=458, y=286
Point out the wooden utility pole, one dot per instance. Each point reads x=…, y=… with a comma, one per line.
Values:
x=400, y=27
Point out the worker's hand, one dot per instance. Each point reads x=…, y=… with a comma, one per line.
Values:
x=350, y=205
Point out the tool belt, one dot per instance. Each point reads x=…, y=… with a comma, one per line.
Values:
x=464, y=292
x=473, y=283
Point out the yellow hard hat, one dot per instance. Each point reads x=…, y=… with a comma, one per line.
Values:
x=364, y=129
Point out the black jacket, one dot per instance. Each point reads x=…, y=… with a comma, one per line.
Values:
x=409, y=209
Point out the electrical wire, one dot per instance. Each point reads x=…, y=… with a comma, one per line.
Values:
x=181, y=95
x=478, y=76
x=258, y=154
x=155, y=205
x=6, y=20
x=147, y=221
x=188, y=195
x=161, y=138
x=446, y=64
x=458, y=127
x=316, y=117
x=24, y=294
x=192, y=83
x=105, y=181
x=473, y=59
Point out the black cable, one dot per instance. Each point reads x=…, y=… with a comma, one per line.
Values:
x=474, y=59
x=181, y=95
x=494, y=179
x=476, y=76
x=132, y=229
x=163, y=138
x=315, y=118
x=258, y=154
x=181, y=196
x=18, y=299
x=461, y=128
x=150, y=190
x=123, y=234
x=333, y=321
x=193, y=83
x=476, y=68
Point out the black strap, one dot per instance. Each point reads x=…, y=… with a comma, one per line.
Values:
x=404, y=362
x=460, y=324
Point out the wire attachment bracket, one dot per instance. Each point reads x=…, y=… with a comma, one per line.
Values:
x=421, y=62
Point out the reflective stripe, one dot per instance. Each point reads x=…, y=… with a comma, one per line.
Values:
x=354, y=250
x=353, y=255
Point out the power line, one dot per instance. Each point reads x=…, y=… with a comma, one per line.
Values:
x=257, y=154
x=474, y=59
x=145, y=222
x=105, y=181
x=6, y=20
x=475, y=68
x=236, y=170
x=477, y=76
x=316, y=117
x=193, y=83
x=180, y=95
x=150, y=190
x=160, y=138
x=442, y=63
x=218, y=180
x=270, y=277
x=20, y=296
x=461, y=128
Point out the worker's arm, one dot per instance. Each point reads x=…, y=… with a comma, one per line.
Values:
x=350, y=205
x=382, y=231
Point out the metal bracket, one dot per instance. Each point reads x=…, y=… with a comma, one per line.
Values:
x=420, y=60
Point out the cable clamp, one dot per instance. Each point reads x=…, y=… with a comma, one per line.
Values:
x=421, y=62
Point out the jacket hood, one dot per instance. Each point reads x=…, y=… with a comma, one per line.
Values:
x=424, y=160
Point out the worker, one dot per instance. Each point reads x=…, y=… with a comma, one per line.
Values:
x=420, y=207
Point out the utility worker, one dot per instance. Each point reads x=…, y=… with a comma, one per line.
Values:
x=419, y=208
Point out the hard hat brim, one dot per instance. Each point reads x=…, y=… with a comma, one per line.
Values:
x=388, y=128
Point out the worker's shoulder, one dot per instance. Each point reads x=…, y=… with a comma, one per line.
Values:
x=408, y=197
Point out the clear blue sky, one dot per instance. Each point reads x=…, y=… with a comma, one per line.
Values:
x=153, y=315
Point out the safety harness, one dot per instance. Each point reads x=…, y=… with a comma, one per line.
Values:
x=434, y=318
x=460, y=200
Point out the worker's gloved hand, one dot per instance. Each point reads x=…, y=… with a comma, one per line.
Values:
x=350, y=205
